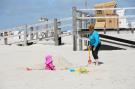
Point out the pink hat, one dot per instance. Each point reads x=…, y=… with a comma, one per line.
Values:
x=48, y=59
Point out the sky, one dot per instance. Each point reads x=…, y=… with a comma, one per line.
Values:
x=17, y=12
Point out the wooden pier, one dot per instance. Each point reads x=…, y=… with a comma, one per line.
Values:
x=33, y=33
x=82, y=18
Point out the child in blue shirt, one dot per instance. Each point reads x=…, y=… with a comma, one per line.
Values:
x=94, y=42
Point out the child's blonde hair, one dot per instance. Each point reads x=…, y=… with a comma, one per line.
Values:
x=91, y=27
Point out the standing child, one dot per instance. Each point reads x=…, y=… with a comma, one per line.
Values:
x=94, y=42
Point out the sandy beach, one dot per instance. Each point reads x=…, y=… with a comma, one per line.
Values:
x=117, y=70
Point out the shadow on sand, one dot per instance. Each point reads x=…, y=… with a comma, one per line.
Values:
x=108, y=47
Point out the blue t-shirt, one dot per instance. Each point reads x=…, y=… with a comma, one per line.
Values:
x=94, y=38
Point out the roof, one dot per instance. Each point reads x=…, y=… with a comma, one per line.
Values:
x=106, y=4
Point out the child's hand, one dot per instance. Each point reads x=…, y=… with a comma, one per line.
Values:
x=90, y=47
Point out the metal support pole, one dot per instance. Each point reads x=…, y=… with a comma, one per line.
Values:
x=74, y=29
x=25, y=36
x=56, y=32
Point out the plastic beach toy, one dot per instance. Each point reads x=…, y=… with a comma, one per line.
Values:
x=28, y=68
x=79, y=70
x=84, y=70
x=72, y=70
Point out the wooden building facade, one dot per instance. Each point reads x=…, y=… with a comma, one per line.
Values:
x=108, y=23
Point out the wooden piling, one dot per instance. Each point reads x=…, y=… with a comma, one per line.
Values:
x=74, y=29
x=56, y=32
x=132, y=30
x=25, y=36
x=104, y=30
x=37, y=33
x=5, y=38
x=80, y=40
x=31, y=33
x=118, y=30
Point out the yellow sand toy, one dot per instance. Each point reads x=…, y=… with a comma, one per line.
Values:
x=79, y=70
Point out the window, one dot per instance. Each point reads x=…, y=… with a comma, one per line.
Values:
x=99, y=11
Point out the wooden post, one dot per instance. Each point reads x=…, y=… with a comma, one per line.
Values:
x=132, y=30
x=74, y=25
x=86, y=26
x=25, y=36
x=80, y=40
x=19, y=34
x=46, y=27
x=31, y=33
x=104, y=30
x=56, y=32
x=118, y=30
x=37, y=33
x=5, y=38
x=86, y=21
x=46, y=34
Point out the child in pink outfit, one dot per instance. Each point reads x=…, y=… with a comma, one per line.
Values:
x=49, y=63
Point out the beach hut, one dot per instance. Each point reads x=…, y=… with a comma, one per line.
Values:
x=108, y=23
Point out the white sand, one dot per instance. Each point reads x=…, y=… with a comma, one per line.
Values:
x=116, y=72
